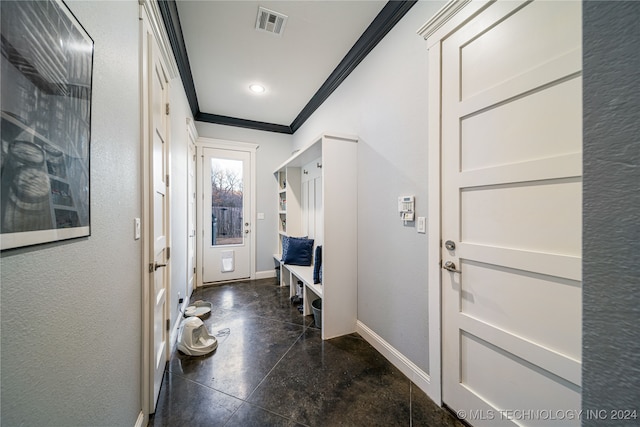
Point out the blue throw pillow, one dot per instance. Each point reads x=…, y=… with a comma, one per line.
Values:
x=285, y=245
x=299, y=251
x=317, y=263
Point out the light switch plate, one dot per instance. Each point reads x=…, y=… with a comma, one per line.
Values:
x=422, y=224
x=136, y=228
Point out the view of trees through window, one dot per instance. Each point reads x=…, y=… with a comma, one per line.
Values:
x=226, y=202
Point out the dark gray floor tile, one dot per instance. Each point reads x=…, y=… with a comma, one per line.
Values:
x=424, y=411
x=250, y=415
x=185, y=403
x=343, y=381
x=274, y=369
x=243, y=357
x=261, y=298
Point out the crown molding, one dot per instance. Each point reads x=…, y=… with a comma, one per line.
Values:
x=169, y=12
x=388, y=17
x=441, y=17
x=242, y=123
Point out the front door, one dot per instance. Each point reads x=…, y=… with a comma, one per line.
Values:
x=159, y=209
x=226, y=215
x=511, y=215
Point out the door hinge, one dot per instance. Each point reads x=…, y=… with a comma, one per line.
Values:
x=167, y=109
x=168, y=324
x=168, y=252
x=194, y=270
x=167, y=179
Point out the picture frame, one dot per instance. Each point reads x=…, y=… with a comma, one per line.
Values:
x=45, y=109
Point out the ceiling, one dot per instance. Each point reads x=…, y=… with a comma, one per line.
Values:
x=220, y=53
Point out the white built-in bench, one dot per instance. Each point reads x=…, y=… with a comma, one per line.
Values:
x=289, y=276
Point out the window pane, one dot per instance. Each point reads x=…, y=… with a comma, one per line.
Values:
x=226, y=202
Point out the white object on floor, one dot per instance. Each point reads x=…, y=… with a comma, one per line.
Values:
x=198, y=308
x=194, y=339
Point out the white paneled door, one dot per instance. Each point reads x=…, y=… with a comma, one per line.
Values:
x=159, y=210
x=511, y=215
x=191, y=216
x=226, y=212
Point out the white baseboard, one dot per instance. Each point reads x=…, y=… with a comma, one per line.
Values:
x=406, y=366
x=140, y=421
x=265, y=274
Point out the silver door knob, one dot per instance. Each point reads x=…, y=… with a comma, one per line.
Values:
x=450, y=266
x=246, y=231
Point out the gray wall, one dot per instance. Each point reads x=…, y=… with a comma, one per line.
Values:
x=71, y=311
x=274, y=149
x=611, y=234
x=384, y=102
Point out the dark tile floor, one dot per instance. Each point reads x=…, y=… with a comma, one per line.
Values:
x=271, y=368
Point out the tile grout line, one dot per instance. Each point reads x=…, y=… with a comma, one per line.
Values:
x=304, y=329
x=410, y=403
x=246, y=401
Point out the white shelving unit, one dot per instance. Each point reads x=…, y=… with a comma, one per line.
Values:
x=317, y=197
x=288, y=203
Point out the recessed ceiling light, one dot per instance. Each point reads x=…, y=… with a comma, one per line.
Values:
x=257, y=88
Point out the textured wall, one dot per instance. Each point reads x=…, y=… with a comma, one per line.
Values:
x=274, y=149
x=70, y=311
x=384, y=102
x=611, y=269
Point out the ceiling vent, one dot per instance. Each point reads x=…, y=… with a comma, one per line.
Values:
x=270, y=21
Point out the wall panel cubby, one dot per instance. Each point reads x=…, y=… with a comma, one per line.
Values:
x=317, y=197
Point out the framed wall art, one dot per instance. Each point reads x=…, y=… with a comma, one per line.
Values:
x=46, y=74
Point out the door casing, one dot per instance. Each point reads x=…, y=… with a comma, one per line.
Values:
x=436, y=29
x=150, y=27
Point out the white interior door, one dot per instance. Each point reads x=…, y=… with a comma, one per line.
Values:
x=226, y=242
x=159, y=214
x=191, y=217
x=511, y=215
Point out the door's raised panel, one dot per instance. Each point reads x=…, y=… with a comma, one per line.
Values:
x=545, y=310
x=491, y=58
x=496, y=137
x=541, y=216
x=494, y=374
x=159, y=222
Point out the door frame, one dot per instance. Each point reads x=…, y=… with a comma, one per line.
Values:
x=446, y=21
x=221, y=144
x=150, y=26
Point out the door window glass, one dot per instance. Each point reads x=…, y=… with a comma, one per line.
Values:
x=226, y=202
